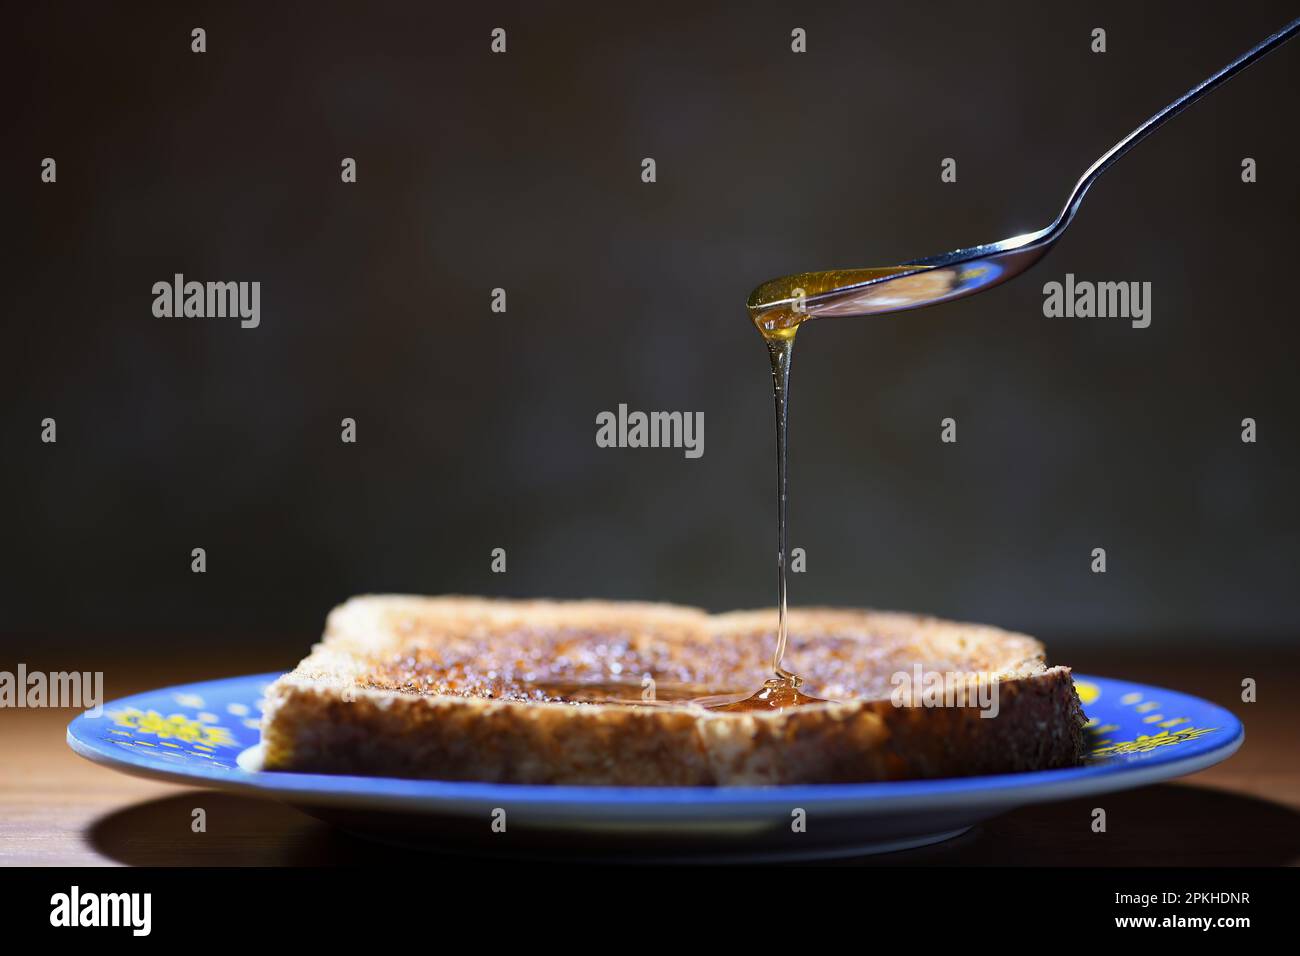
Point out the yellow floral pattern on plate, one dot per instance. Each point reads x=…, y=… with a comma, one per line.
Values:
x=172, y=730
x=1146, y=711
x=1145, y=744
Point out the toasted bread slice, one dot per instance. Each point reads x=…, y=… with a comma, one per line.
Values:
x=593, y=692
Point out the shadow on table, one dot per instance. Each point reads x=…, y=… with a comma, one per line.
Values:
x=1168, y=825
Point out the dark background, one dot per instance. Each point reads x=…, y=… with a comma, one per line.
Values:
x=476, y=430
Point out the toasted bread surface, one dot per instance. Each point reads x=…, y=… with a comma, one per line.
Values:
x=595, y=692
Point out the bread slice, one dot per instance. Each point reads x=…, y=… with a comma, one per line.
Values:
x=463, y=688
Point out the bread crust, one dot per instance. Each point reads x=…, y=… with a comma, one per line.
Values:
x=359, y=704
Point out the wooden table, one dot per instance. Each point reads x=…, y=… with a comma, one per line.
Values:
x=58, y=809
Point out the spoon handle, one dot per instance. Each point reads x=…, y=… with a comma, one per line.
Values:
x=1256, y=52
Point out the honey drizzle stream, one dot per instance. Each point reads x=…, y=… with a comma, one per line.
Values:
x=781, y=350
x=777, y=309
x=782, y=690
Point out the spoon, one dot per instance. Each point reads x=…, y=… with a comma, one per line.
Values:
x=779, y=306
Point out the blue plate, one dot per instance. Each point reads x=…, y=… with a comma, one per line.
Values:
x=207, y=735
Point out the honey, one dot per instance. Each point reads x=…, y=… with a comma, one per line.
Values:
x=636, y=666
x=778, y=308
x=777, y=693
